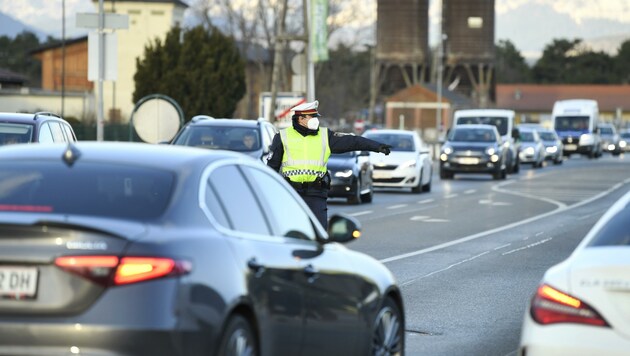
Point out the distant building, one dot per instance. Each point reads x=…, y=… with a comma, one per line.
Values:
x=534, y=102
x=65, y=64
x=11, y=80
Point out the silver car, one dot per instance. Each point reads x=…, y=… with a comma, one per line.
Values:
x=532, y=147
x=553, y=145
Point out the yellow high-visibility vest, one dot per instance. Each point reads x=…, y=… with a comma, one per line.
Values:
x=304, y=158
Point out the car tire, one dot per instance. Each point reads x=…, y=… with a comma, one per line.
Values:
x=367, y=197
x=418, y=188
x=238, y=338
x=427, y=187
x=356, y=198
x=388, y=334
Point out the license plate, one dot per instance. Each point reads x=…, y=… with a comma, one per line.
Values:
x=381, y=175
x=570, y=147
x=468, y=160
x=18, y=282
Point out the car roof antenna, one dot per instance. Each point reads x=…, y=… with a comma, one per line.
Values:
x=71, y=154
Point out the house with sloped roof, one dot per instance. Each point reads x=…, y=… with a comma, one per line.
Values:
x=11, y=80
x=534, y=102
x=416, y=108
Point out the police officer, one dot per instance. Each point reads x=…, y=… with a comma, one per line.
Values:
x=300, y=153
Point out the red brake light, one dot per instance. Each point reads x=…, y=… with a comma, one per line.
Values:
x=550, y=306
x=106, y=270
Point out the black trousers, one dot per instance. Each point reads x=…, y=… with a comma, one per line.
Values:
x=319, y=207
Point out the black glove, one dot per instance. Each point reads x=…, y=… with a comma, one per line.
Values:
x=384, y=149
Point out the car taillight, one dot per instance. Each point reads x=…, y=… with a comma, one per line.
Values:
x=550, y=306
x=106, y=270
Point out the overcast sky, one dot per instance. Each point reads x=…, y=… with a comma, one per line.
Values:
x=529, y=24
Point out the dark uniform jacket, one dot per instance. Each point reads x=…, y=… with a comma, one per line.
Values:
x=337, y=142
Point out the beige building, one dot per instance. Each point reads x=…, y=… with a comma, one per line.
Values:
x=148, y=20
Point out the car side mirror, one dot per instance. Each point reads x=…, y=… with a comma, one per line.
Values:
x=515, y=134
x=343, y=228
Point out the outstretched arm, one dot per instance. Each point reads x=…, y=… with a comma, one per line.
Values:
x=342, y=142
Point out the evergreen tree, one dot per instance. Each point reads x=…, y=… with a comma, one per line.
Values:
x=15, y=55
x=510, y=64
x=204, y=72
x=557, y=62
x=621, y=63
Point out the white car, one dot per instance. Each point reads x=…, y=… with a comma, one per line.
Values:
x=582, y=305
x=409, y=165
x=532, y=147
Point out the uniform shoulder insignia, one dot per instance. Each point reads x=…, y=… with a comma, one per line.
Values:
x=341, y=134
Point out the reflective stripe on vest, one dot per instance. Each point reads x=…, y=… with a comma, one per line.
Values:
x=305, y=157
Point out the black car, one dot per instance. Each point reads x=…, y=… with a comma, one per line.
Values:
x=351, y=176
x=475, y=148
x=112, y=248
x=251, y=137
x=39, y=127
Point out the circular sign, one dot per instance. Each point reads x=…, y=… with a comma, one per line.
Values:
x=156, y=120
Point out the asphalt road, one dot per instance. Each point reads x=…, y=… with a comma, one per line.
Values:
x=469, y=254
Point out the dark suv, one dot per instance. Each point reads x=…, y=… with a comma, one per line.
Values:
x=251, y=137
x=38, y=127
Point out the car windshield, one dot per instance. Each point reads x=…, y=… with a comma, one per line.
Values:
x=121, y=191
x=575, y=123
x=605, y=130
x=527, y=136
x=501, y=123
x=547, y=136
x=234, y=138
x=399, y=142
x=15, y=133
x=472, y=135
x=615, y=232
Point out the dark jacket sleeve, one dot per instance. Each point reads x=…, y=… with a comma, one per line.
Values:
x=342, y=142
x=277, y=151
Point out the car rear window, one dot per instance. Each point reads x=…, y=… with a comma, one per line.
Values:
x=615, y=232
x=15, y=133
x=105, y=190
x=233, y=138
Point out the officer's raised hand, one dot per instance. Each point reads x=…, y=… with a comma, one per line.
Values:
x=386, y=149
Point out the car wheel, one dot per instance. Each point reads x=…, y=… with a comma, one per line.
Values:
x=238, y=338
x=445, y=175
x=427, y=187
x=517, y=166
x=356, y=198
x=388, y=336
x=367, y=197
x=418, y=187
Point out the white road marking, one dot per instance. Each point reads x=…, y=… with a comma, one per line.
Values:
x=528, y=246
x=397, y=206
x=470, y=191
x=437, y=220
x=561, y=208
x=503, y=246
x=420, y=217
x=361, y=213
x=444, y=269
x=426, y=201
x=449, y=196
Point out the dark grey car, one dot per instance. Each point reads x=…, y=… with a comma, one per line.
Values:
x=138, y=249
x=251, y=137
x=40, y=127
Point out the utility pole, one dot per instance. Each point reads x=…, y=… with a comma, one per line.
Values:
x=101, y=71
x=279, y=45
x=310, y=67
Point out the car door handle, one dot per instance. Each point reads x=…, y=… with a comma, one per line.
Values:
x=256, y=267
x=311, y=272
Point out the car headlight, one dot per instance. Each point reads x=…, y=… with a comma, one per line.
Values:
x=551, y=149
x=490, y=151
x=622, y=144
x=530, y=150
x=344, y=174
x=408, y=164
x=447, y=150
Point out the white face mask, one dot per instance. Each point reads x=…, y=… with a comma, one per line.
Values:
x=313, y=123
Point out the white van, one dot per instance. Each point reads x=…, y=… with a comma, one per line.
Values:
x=503, y=120
x=575, y=122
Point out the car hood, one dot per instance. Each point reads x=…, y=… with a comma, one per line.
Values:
x=336, y=164
x=471, y=146
x=394, y=158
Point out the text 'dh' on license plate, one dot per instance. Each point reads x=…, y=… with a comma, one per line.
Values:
x=468, y=160
x=570, y=147
x=381, y=175
x=18, y=282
